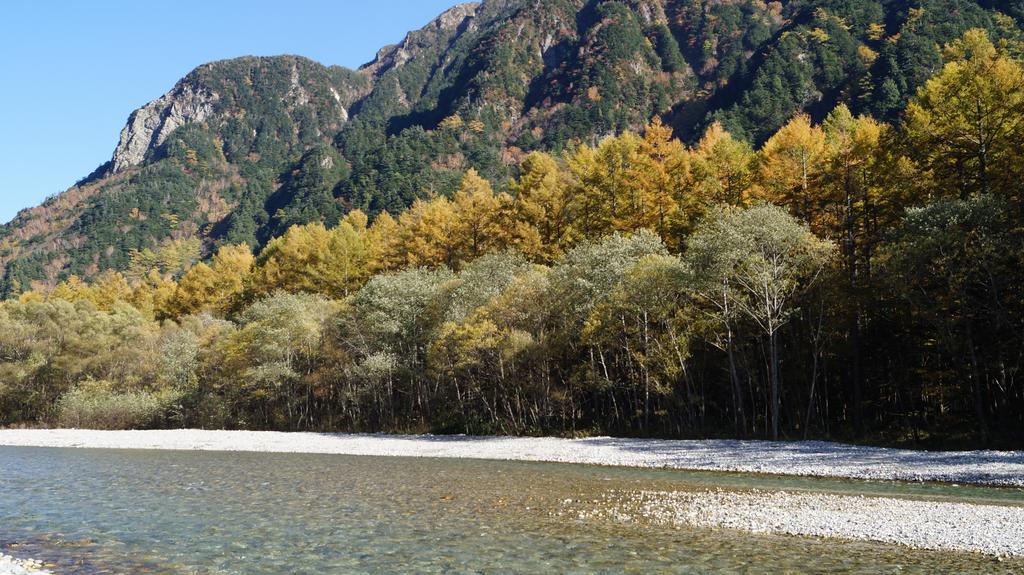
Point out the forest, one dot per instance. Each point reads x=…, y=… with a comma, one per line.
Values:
x=854, y=278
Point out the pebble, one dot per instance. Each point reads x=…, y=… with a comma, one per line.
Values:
x=807, y=458
x=996, y=530
x=14, y=566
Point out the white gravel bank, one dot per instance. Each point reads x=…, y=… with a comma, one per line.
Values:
x=11, y=566
x=988, y=529
x=810, y=458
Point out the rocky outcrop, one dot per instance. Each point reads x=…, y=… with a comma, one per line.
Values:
x=394, y=56
x=150, y=125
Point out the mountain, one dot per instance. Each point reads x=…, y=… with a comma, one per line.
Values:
x=239, y=150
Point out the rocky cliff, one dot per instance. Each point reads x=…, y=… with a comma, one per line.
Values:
x=149, y=126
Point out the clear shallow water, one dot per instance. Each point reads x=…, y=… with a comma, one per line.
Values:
x=125, y=511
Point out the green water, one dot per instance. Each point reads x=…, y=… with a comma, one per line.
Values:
x=123, y=511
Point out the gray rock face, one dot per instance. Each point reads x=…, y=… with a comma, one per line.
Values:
x=150, y=125
x=396, y=55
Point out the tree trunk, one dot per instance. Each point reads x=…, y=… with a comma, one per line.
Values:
x=773, y=345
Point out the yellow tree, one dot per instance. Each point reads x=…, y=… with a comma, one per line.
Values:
x=426, y=235
x=108, y=289
x=722, y=171
x=215, y=287
x=154, y=295
x=313, y=259
x=790, y=167
x=72, y=289
x=601, y=184
x=625, y=184
x=381, y=240
x=195, y=290
x=867, y=181
x=662, y=173
x=539, y=214
x=476, y=222
x=966, y=124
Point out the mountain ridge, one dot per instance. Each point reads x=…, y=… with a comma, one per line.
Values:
x=230, y=153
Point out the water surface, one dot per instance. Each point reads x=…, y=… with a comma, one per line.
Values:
x=130, y=511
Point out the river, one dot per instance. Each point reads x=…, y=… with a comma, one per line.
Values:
x=91, y=511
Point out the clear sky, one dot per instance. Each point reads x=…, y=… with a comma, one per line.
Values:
x=74, y=70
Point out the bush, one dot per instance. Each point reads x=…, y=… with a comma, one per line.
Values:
x=96, y=406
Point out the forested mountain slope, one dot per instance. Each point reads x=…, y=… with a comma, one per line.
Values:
x=240, y=150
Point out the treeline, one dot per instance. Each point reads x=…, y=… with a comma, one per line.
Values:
x=847, y=279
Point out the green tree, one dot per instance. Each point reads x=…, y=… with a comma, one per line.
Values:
x=768, y=257
x=267, y=362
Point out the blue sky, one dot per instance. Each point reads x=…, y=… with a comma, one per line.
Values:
x=73, y=71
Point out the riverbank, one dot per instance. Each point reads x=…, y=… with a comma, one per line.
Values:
x=802, y=458
x=995, y=530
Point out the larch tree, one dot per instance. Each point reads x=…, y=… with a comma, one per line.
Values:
x=722, y=170
x=790, y=166
x=540, y=208
x=313, y=259
x=426, y=234
x=215, y=287
x=476, y=218
x=967, y=122
x=662, y=172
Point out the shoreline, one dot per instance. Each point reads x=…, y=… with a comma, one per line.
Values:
x=995, y=530
x=992, y=530
x=797, y=458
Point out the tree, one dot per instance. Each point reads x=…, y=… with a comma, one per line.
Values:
x=267, y=361
x=47, y=348
x=955, y=265
x=426, y=235
x=722, y=169
x=477, y=225
x=590, y=272
x=768, y=256
x=867, y=183
x=381, y=238
x=481, y=280
x=393, y=318
x=313, y=259
x=623, y=185
x=790, y=166
x=215, y=287
x=643, y=330
x=663, y=173
x=966, y=123
x=154, y=295
x=540, y=209
x=107, y=289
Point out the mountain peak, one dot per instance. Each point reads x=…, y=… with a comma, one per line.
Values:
x=195, y=98
x=150, y=125
x=397, y=54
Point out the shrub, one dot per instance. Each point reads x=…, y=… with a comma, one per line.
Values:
x=96, y=406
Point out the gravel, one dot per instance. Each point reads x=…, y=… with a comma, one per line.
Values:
x=807, y=458
x=949, y=526
x=12, y=566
